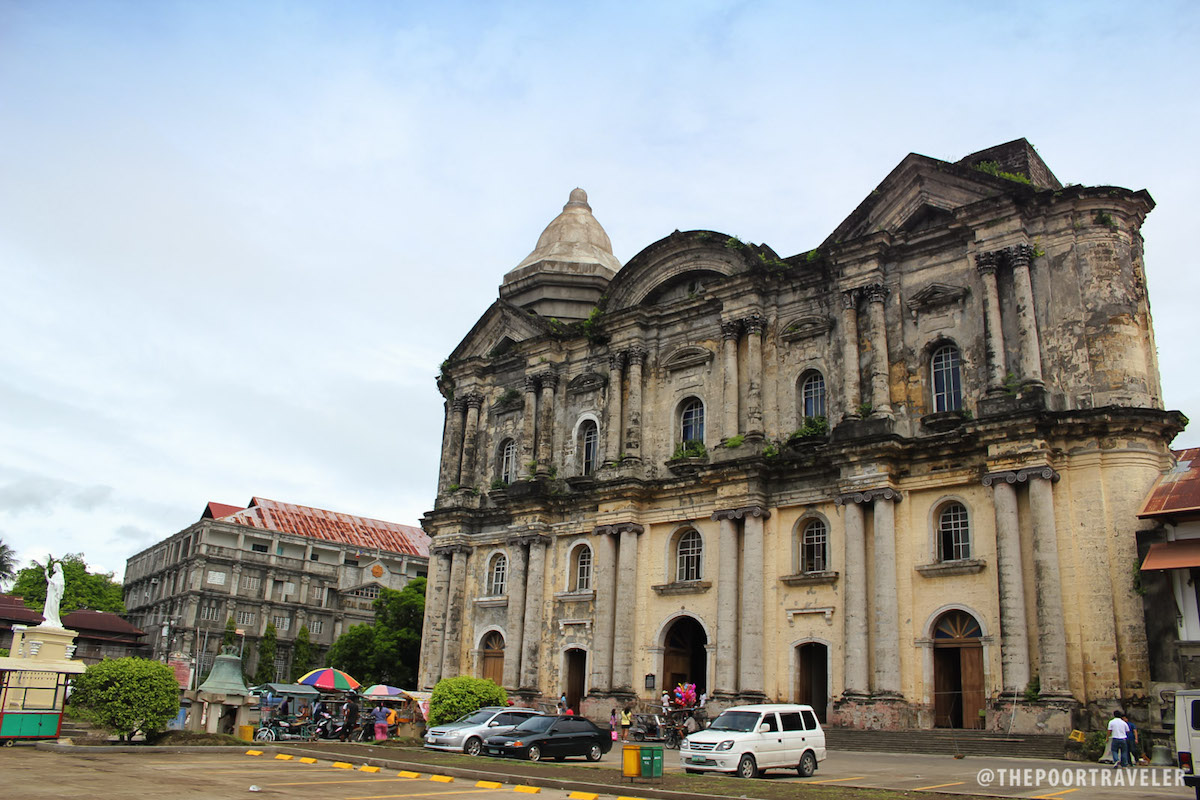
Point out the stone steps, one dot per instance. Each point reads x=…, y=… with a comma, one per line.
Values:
x=947, y=742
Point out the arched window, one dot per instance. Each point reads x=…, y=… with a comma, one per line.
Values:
x=497, y=576
x=691, y=421
x=589, y=442
x=812, y=395
x=947, y=379
x=814, y=547
x=954, y=533
x=580, y=579
x=508, y=461
x=689, y=557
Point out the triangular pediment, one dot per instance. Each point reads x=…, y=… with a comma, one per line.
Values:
x=935, y=295
x=501, y=328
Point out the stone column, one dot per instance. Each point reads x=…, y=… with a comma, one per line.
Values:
x=466, y=475
x=616, y=368
x=727, y=605
x=455, y=598
x=1052, y=633
x=730, y=332
x=633, y=434
x=855, y=583
x=532, y=634
x=881, y=399
x=452, y=445
x=987, y=263
x=885, y=645
x=750, y=641
x=235, y=581
x=754, y=326
x=605, y=615
x=528, y=429
x=432, y=636
x=518, y=563
x=1014, y=628
x=626, y=595
x=545, y=437
x=1031, y=348
x=850, y=373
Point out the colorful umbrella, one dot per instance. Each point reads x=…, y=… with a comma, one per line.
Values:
x=380, y=691
x=329, y=679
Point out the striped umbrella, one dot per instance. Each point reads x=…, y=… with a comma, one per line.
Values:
x=329, y=679
x=381, y=691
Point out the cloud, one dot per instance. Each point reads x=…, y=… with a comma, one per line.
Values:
x=43, y=494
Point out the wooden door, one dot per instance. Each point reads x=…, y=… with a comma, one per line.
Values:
x=493, y=658
x=947, y=688
x=576, y=666
x=971, y=662
x=813, y=677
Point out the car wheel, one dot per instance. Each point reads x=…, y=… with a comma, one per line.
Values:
x=594, y=753
x=535, y=753
x=9, y=742
x=473, y=746
x=747, y=768
x=264, y=735
x=808, y=765
x=639, y=737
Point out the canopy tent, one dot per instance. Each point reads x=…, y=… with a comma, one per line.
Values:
x=293, y=689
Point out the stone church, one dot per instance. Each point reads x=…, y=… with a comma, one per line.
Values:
x=896, y=476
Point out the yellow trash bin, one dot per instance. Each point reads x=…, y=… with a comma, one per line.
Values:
x=246, y=732
x=631, y=761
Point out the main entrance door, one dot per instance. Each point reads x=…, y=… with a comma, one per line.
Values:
x=493, y=657
x=685, y=657
x=957, y=671
x=576, y=667
x=812, y=677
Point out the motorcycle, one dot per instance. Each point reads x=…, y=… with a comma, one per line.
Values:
x=326, y=727
x=275, y=730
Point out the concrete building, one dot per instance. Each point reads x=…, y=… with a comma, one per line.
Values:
x=269, y=562
x=896, y=476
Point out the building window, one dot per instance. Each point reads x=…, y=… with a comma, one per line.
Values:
x=581, y=569
x=280, y=668
x=282, y=623
x=691, y=421
x=210, y=613
x=258, y=548
x=814, y=547
x=251, y=582
x=589, y=444
x=497, y=575
x=245, y=618
x=317, y=625
x=508, y=461
x=812, y=395
x=689, y=557
x=289, y=588
x=954, y=533
x=370, y=592
x=947, y=379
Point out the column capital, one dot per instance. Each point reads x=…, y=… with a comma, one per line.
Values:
x=876, y=292
x=449, y=550
x=459, y=405
x=526, y=537
x=869, y=496
x=474, y=400
x=754, y=324
x=741, y=513
x=637, y=355
x=547, y=380
x=988, y=262
x=731, y=329
x=1019, y=255
x=616, y=361
x=618, y=528
x=1023, y=475
x=531, y=383
x=850, y=299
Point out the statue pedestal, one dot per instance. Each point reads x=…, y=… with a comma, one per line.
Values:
x=44, y=644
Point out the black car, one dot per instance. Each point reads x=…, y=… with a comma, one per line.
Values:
x=551, y=737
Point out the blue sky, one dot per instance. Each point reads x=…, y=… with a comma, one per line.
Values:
x=237, y=239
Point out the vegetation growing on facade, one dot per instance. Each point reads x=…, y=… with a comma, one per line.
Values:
x=691, y=448
x=993, y=168
x=1106, y=219
x=735, y=441
x=813, y=426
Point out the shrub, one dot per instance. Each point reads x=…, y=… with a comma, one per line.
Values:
x=1093, y=745
x=692, y=448
x=128, y=695
x=454, y=697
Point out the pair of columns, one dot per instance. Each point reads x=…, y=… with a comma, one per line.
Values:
x=525, y=620
x=731, y=333
x=880, y=396
x=739, y=647
x=884, y=647
x=615, y=579
x=1018, y=259
x=462, y=425
x=624, y=424
x=1014, y=627
x=537, y=433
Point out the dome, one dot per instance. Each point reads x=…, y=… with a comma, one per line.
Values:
x=574, y=236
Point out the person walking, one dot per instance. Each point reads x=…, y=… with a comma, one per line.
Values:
x=380, y=715
x=1133, y=741
x=1118, y=734
x=349, y=717
x=626, y=721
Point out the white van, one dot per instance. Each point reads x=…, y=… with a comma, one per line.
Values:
x=748, y=740
x=1187, y=735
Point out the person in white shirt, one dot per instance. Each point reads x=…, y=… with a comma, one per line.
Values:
x=1118, y=734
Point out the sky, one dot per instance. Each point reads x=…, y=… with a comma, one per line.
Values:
x=237, y=239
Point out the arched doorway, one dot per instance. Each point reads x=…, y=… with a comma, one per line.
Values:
x=812, y=677
x=493, y=657
x=957, y=671
x=576, y=668
x=685, y=655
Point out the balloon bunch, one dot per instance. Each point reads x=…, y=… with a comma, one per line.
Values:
x=685, y=694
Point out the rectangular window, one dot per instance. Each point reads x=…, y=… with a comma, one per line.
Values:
x=280, y=668
x=216, y=577
x=251, y=582
x=317, y=625
x=289, y=588
x=810, y=720
x=245, y=618
x=210, y=613
x=313, y=557
x=282, y=623
x=791, y=720
x=258, y=548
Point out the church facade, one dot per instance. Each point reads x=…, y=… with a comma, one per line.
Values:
x=896, y=476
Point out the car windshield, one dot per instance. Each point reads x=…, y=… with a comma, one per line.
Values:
x=742, y=721
x=478, y=718
x=535, y=724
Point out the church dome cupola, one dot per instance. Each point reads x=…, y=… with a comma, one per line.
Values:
x=570, y=268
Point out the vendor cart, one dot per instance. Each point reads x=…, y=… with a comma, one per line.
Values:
x=31, y=704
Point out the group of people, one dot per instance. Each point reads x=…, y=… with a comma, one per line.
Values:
x=1126, y=746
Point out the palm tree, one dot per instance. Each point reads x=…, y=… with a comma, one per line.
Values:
x=8, y=563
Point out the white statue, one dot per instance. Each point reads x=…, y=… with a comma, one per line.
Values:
x=54, y=593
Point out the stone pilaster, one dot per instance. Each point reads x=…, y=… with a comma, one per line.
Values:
x=633, y=433
x=885, y=645
x=529, y=422
x=1052, y=633
x=750, y=641
x=626, y=591
x=727, y=606
x=545, y=457
x=235, y=581
x=1014, y=627
x=532, y=634
x=432, y=637
x=850, y=371
x=518, y=563
x=455, y=601
x=754, y=326
x=855, y=653
x=1031, y=349
x=466, y=474
x=605, y=548
x=731, y=331
x=987, y=263
x=616, y=379
x=881, y=400
x=452, y=445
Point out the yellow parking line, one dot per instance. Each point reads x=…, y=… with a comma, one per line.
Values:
x=1055, y=794
x=937, y=786
x=422, y=794
x=836, y=780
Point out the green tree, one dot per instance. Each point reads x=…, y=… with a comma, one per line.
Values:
x=454, y=697
x=230, y=638
x=128, y=695
x=354, y=653
x=8, y=563
x=266, y=656
x=303, y=658
x=84, y=589
x=387, y=650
